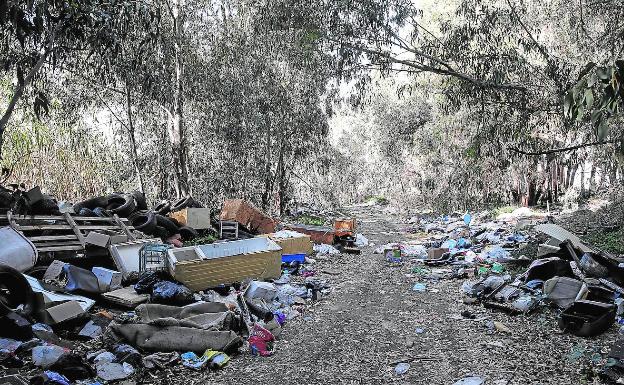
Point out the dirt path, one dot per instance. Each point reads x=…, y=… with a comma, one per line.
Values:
x=371, y=321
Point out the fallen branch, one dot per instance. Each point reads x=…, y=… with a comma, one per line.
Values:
x=563, y=149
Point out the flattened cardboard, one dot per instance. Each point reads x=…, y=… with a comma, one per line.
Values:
x=64, y=312
x=126, y=297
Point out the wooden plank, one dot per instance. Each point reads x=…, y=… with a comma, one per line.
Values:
x=125, y=229
x=53, y=238
x=61, y=218
x=59, y=248
x=74, y=227
x=67, y=227
x=39, y=245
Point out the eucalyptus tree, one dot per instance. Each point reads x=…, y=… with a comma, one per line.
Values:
x=40, y=37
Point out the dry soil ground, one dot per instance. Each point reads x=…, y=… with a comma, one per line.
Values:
x=370, y=321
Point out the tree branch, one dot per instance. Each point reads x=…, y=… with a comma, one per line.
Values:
x=563, y=149
x=440, y=71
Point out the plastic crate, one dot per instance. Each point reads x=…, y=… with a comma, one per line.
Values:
x=288, y=258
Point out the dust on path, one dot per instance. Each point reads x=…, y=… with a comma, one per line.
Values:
x=370, y=320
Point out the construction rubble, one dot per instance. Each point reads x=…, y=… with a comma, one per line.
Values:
x=518, y=264
x=108, y=289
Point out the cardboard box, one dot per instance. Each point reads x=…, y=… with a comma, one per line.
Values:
x=436, y=253
x=300, y=244
x=206, y=266
x=197, y=218
x=63, y=312
x=246, y=214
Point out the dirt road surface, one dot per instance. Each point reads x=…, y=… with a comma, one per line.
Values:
x=372, y=321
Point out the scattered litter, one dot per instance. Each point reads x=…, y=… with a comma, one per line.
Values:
x=401, y=368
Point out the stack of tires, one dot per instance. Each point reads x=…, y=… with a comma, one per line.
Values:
x=133, y=206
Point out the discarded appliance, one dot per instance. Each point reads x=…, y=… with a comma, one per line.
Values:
x=205, y=266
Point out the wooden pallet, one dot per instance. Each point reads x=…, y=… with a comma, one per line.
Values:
x=52, y=233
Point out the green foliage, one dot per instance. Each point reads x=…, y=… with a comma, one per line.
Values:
x=202, y=240
x=377, y=199
x=610, y=241
x=504, y=210
x=310, y=220
x=607, y=83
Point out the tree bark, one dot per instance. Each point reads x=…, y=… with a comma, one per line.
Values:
x=176, y=130
x=133, y=147
x=19, y=91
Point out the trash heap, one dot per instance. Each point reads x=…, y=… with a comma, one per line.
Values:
x=463, y=245
x=581, y=283
x=106, y=289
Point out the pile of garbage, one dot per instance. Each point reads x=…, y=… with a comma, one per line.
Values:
x=155, y=222
x=106, y=289
x=461, y=243
x=520, y=264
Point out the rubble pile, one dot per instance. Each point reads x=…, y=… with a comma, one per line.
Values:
x=107, y=289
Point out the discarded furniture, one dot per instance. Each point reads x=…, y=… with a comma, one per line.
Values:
x=291, y=242
x=246, y=214
x=587, y=318
x=318, y=234
x=205, y=266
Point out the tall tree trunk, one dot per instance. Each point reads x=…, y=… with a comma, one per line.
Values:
x=592, y=176
x=176, y=127
x=133, y=147
x=19, y=91
x=268, y=178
